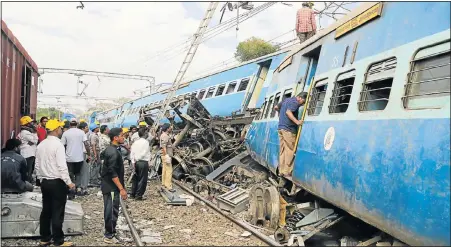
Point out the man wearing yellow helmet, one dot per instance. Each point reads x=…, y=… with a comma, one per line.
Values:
x=29, y=138
x=52, y=171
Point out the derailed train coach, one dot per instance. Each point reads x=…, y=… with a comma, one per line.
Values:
x=19, y=84
x=376, y=134
x=238, y=87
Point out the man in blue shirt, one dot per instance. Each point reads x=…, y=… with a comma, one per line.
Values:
x=287, y=129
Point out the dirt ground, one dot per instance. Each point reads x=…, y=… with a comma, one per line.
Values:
x=177, y=225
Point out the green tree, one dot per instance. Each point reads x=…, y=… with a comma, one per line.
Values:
x=253, y=48
x=49, y=112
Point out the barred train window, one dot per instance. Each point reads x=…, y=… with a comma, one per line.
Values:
x=262, y=110
x=243, y=85
x=268, y=107
x=193, y=94
x=317, y=96
x=231, y=88
x=276, y=101
x=220, y=90
x=428, y=84
x=377, y=86
x=201, y=94
x=210, y=92
x=341, y=94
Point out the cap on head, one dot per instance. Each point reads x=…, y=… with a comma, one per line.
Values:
x=97, y=122
x=142, y=124
x=53, y=124
x=124, y=130
x=25, y=120
x=93, y=126
x=82, y=121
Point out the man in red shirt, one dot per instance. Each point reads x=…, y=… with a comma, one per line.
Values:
x=42, y=133
x=305, y=22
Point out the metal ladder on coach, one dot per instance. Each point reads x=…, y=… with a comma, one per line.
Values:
x=187, y=61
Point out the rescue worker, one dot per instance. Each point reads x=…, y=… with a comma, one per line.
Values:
x=14, y=169
x=287, y=130
x=42, y=133
x=94, y=141
x=76, y=142
x=166, y=153
x=125, y=147
x=112, y=185
x=305, y=22
x=29, y=139
x=104, y=140
x=52, y=171
x=140, y=157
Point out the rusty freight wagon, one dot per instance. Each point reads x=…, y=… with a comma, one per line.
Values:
x=19, y=84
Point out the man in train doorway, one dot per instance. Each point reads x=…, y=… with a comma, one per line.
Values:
x=305, y=22
x=287, y=130
x=166, y=153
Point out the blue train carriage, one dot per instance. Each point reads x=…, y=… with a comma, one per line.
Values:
x=376, y=135
x=222, y=92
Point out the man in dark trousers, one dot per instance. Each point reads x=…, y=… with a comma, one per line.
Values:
x=51, y=170
x=14, y=169
x=140, y=157
x=287, y=130
x=112, y=184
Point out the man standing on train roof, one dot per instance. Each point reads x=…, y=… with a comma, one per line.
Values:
x=42, y=133
x=287, y=129
x=166, y=153
x=51, y=170
x=112, y=186
x=14, y=169
x=305, y=22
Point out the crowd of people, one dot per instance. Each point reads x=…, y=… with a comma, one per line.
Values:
x=65, y=158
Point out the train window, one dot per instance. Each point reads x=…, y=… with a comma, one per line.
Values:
x=377, y=86
x=193, y=94
x=317, y=96
x=428, y=84
x=210, y=92
x=262, y=110
x=231, y=88
x=243, y=85
x=268, y=107
x=287, y=93
x=220, y=90
x=201, y=94
x=341, y=95
x=276, y=101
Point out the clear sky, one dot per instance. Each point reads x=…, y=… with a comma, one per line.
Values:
x=125, y=37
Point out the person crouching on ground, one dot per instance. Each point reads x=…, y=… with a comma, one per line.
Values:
x=52, y=171
x=14, y=169
x=166, y=153
x=112, y=184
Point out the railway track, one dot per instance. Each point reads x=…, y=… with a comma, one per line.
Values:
x=243, y=225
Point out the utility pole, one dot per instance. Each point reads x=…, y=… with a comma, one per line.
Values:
x=187, y=61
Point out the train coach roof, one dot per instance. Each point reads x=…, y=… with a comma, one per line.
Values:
x=18, y=45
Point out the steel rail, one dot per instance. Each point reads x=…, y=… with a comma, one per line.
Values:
x=239, y=222
x=133, y=231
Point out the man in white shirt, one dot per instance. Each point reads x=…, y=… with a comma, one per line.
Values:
x=51, y=170
x=140, y=156
x=74, y=139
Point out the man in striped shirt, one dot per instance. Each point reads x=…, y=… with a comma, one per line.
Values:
x=305, y=22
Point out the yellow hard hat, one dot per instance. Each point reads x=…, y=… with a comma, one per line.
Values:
x=124, y=130
x=82, y=121
x=97, y=122
x=53, y=124
x=142, y=124
x=25, y=120
x=65, y=120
